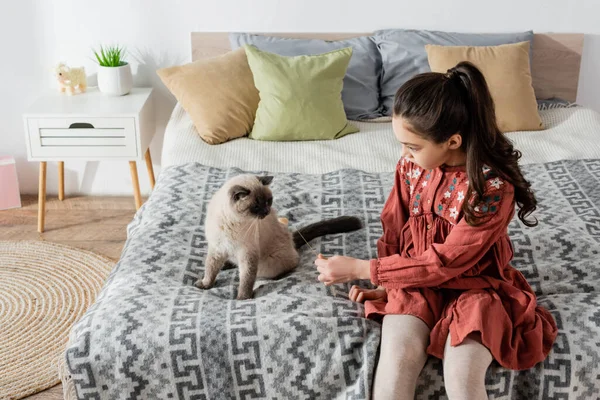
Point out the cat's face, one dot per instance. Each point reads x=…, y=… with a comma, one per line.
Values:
x=250, y=195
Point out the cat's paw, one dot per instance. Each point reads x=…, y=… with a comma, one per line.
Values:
x=201, y=285
x=244, y=296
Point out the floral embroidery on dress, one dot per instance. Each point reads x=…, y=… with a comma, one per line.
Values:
x=416, y=179
x=496, y=183
x=416, y=204
x=447, y=193
x=488, y=205
x=453, y=212
x=451, y=199
x=451, y=187
x=424, y=184
x=488, y=173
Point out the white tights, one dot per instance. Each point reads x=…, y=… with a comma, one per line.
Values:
x=404, y=340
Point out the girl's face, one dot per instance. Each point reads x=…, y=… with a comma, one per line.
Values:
x=425, y=153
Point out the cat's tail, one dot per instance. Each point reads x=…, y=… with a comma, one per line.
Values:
x=326, y=227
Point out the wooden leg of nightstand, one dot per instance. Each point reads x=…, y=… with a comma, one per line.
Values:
x=61, y=180
x=150, y=168
x=42, y=197
x=136, y=184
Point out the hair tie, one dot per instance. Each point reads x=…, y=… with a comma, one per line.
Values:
x=452, y=73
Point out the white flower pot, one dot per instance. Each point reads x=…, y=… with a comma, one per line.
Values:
x=115, y=81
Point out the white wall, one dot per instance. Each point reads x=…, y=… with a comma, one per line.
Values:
x=35, y=35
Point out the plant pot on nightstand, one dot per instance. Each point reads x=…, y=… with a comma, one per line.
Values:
x=115, y=81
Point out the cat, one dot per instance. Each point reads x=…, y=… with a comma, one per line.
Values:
x=242, y=228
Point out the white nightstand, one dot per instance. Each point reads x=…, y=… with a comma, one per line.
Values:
x=89, y=126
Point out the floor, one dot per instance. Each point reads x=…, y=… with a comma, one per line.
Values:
x=92, y=223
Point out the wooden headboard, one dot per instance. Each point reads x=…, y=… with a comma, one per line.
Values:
x=555, y=65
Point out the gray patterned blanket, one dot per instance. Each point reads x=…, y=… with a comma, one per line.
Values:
x=152, y=335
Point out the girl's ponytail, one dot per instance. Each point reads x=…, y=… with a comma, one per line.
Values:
x=439, y=105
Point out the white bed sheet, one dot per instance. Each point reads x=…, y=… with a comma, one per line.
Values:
x=571, y=133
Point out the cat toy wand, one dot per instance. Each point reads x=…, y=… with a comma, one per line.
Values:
x=285, y=222
x=319, y=255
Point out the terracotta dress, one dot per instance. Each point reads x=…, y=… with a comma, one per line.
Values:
x=455, y=277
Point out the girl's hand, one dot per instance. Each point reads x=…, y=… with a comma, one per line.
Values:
x=360, y=295
x=340, y=269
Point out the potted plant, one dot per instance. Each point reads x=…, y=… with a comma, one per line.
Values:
x=114, y=73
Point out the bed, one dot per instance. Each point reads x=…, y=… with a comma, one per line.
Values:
x=152, y=334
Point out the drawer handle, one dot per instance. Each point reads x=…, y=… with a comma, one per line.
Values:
x=81, y=125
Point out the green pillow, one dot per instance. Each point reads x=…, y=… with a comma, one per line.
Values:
x=301, y=96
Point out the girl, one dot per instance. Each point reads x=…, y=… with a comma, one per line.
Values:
x=446, y=286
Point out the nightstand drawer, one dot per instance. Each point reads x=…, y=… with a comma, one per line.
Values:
x=82, y=137
x=83, y=141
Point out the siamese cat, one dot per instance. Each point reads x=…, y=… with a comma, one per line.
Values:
x=242, y=228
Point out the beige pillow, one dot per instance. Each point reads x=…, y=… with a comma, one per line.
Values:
x=508, y=75
x=218, y=94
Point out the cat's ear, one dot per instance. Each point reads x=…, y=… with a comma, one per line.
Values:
x=265, y=180
x=237, y=192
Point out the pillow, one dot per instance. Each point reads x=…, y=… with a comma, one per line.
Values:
x=361, y=83
x=403, y=53
x=300, y=97
x=218, y=94
x=508, y=75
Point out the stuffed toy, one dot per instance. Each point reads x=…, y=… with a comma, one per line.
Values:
x=70, y=79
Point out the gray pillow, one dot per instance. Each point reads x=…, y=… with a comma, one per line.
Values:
x=403, y=53
x=360, y=93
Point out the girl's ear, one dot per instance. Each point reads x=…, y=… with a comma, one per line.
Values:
x=454, y=142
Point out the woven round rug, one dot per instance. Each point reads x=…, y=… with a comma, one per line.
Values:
x=44, y=289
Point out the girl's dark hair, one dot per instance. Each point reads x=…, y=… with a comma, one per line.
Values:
x=438, y=105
